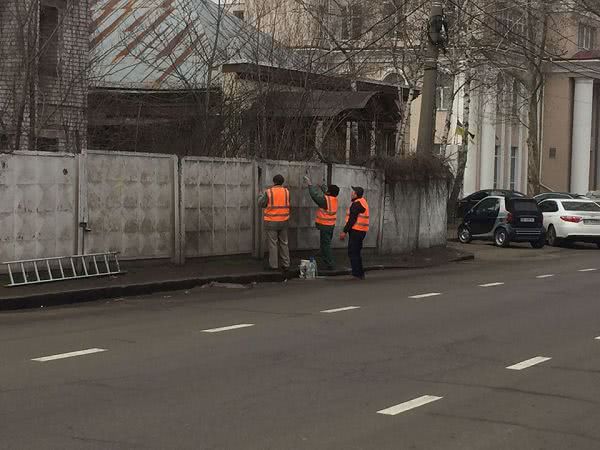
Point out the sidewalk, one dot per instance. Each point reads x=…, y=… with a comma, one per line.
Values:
x=159, y=276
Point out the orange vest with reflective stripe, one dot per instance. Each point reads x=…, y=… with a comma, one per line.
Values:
x=362, y=222
x=278, y=205
x=327, y=217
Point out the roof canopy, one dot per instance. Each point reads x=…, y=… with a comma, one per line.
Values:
x=316, y=103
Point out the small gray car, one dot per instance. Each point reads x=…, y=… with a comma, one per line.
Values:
x=504, y=220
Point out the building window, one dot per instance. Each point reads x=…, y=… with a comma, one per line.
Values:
x=392, y=12
x=48, y=40
x=586, y=39
x=552, y=153
x=352, y=22
x=239, y=14
x=514, y=155
x=47, y=144
x=444, y=93
x=497, y=152
x=510, y=21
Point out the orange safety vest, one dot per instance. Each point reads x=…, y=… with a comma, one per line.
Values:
x=327, y=217
x=278, y=205
x=362, y=222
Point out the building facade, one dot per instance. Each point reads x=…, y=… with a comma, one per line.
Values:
x=380, y=40
x=44, y=46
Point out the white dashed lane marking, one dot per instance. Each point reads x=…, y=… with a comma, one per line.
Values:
x=229, y=328
x=346, y=308
x=528, y=363
x=407, y=406
x=587, y=270
x=598, y=338
x=89, y=351
x=545, y=276
x=430, y=294
x=487, y=285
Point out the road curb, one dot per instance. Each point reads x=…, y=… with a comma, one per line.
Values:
x=39, y=300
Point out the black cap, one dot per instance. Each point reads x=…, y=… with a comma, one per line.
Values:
x=359, y=191
x=333, y=190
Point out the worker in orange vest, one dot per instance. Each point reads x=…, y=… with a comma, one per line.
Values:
x=276, y=203
x=326, y=199
x=357, y=226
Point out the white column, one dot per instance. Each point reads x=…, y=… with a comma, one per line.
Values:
x=488, y=141
x=470, y=182
x=582, y=135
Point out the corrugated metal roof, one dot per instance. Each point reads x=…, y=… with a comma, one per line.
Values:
x=170, y=44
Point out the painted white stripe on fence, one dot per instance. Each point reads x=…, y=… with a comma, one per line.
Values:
x=407, y=406
x=528, y=363
x=487, y=285
x=431, y=294
x=347, y=308
x=89, y=351
x=545, y=276
x=231, y=327
x=588, y=270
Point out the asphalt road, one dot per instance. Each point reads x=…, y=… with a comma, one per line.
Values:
x=397, y=368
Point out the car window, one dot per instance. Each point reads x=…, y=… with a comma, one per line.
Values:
x=487, y=206
x=549, y=206
x=525, y=205
x=581, y=206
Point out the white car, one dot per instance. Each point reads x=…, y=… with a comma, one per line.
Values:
x=574, y=220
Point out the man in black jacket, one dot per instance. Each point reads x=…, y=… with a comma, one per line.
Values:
x=357, y=226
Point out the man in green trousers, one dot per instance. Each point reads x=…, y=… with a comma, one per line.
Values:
x=326, y=199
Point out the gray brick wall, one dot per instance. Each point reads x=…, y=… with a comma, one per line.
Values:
x=47, y=109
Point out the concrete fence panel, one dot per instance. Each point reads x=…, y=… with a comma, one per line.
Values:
x=131, y=204
x=38, y=202
x=217, y=206
x=373, y=184
x=433, y=228
x=302, y=233
x=400, y=231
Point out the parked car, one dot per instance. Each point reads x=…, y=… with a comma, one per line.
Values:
x=571, y=220
x=593, y=195
x=547, y=195
x=504, y=220
x=467, y=203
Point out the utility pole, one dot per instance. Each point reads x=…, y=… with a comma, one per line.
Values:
x=436, y=39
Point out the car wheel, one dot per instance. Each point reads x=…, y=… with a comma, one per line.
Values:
x=501, y=238
x=464, y=235
x=552, y=239
x=539, y=243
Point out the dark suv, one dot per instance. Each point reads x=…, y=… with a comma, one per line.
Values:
x=504, y=220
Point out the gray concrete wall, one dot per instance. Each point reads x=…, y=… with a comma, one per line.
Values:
x=217, y=206
x=414, y=216
x=38, y=205
x=131, y=204
x=156, y=206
